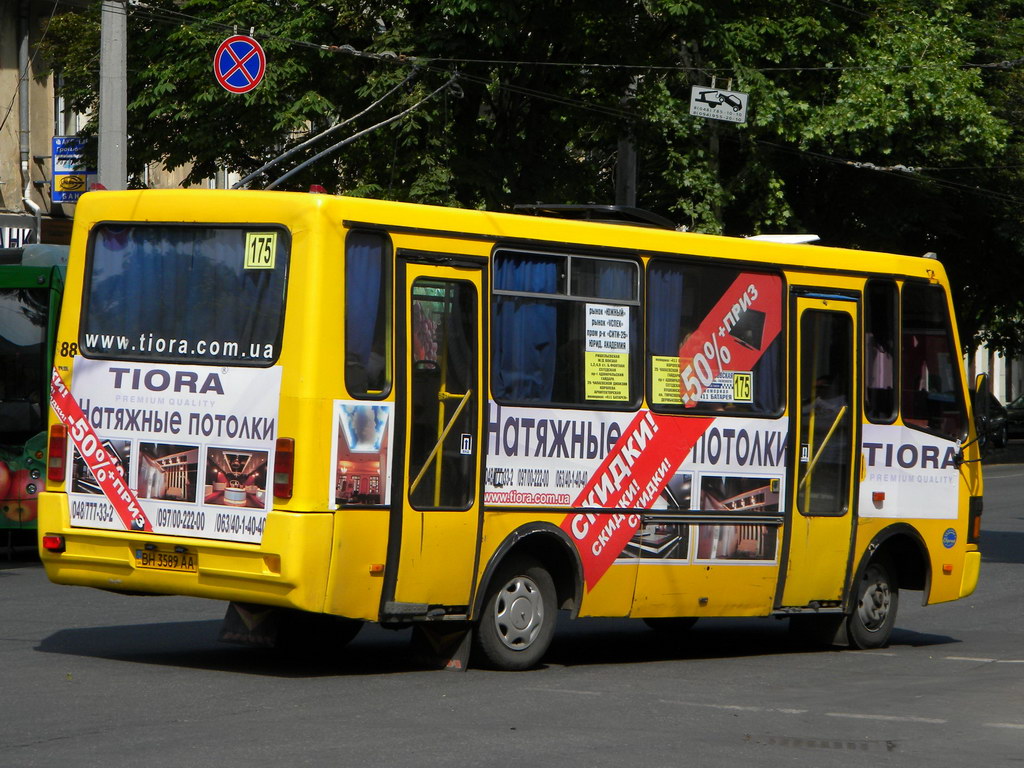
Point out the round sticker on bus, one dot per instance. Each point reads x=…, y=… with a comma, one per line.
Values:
x=949, y=538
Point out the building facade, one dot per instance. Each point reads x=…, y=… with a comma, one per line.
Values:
x=30, y=116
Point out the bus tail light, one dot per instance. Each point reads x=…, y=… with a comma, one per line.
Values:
x=53, y=543
x=56, y=453
x=974, y=509
x=284, y=467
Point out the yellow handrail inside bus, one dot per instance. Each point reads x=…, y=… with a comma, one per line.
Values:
x=824, y=443
x=448, y=428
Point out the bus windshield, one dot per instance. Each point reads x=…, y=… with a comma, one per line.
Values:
x=231, y=280
x=23, y=319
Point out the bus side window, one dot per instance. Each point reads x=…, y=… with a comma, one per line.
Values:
x=367, y=314
x=719, y=327
x=881, y=312
x=931, y=396
x=566, y=329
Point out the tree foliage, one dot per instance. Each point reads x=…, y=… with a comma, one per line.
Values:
x=891, y=125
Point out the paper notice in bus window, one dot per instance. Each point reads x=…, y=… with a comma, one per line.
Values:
x=730, y=387
x=260, y=250
x=665, y=381
x=607, y=352
x=607, y=376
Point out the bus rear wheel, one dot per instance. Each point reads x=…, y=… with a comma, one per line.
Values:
x=518, y=620
x=874, y=615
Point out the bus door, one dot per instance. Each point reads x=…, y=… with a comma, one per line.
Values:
x=824, y=412
x=440, y=408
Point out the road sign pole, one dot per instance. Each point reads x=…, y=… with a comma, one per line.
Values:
x=113, y=112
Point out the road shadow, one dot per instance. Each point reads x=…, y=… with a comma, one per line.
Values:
x=376, y=651
x=1002, y=547
x=194, y=645
x=629, y=641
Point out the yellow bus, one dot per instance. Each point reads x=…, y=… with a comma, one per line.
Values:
x=323, y=407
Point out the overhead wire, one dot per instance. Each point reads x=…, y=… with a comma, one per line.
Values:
x=907, y=172
x=323, y=134
x=360, y=134
x=431, y=64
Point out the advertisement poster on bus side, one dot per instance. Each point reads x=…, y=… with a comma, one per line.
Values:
x=913, y=471
x=172, y=449
x=591, y=460
x=716, y=360
x=361, y=453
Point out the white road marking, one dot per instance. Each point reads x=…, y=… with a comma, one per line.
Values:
x=733, y=707
x=889, y=718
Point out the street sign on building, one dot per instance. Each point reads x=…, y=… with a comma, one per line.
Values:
x=717, y=104
x=71, y=174
x=15, y=237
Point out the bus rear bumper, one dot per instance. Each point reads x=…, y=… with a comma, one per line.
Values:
x=288, y=568
x=972, y=569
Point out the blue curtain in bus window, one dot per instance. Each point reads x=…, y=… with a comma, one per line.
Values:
x=768, y=379
x=525, y=332
x=363, y=276
x=614, y=280
x=665, y=302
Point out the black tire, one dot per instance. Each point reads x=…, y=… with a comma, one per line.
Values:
x=671, y=625
x=518, y=619
x=1000, y=438
x=874, y=613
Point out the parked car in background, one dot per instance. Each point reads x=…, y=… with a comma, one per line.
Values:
x=1015, y=417
x=993, y=427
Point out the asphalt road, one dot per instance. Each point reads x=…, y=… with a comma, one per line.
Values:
x=97, y=679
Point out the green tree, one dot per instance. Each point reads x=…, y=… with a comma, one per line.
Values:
x=886, y=125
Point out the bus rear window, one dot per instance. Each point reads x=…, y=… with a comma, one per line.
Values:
x=188, y=294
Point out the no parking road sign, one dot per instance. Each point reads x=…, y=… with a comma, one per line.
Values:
x=239, y=64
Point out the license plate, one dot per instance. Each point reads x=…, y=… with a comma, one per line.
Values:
x=167, y=561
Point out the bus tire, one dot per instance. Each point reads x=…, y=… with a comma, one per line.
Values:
x=874, y=613
x=518, y=620
x=671, y=625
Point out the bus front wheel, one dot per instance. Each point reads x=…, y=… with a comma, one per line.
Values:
x=874, y=615
x=518, y=620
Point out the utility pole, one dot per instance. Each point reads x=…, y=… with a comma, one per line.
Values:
x=113, y=117
x=625, y=173
x=625, y=166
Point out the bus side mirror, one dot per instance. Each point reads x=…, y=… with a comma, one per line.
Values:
x=981, y=398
